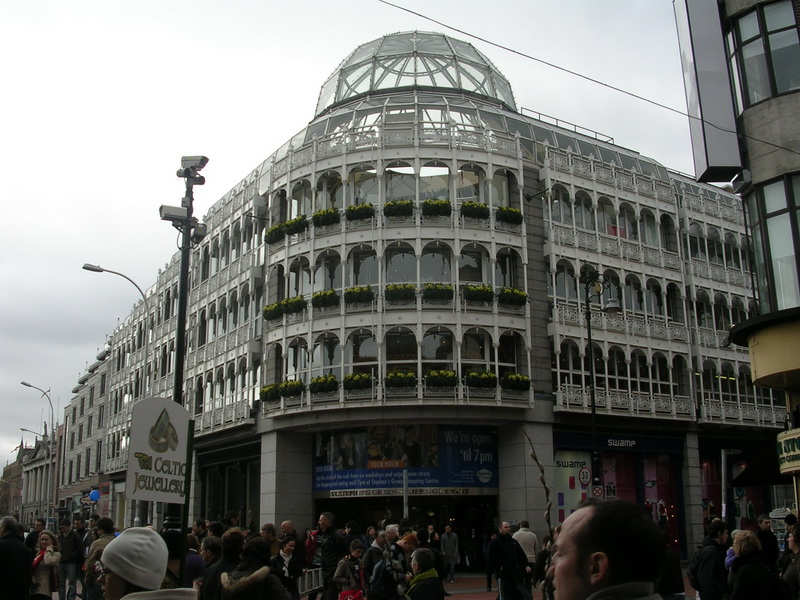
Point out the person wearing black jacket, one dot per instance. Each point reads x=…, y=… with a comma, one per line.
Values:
x=751, y=577
x=509, y=563
x=287, y=565
x=232, y=542
x=711, y=573
x=425, y=584
x=33, y=536
x=71, y=547
x=769, y=543
x=324, y=549
x=15, y=560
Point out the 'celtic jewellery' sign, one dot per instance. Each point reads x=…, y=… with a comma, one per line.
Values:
x=789, y=451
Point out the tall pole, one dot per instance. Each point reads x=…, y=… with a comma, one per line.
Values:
x=50, y=468
x=596, y=478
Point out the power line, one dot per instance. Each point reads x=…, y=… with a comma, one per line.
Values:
x=588, y=78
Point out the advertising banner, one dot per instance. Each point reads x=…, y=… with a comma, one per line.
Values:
x=572, y=478
x=440, y=461
x=157, y=455
x=789, y=451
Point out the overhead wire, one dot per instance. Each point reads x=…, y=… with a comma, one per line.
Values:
x=588, y=78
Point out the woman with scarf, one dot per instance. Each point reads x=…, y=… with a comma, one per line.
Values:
x=286, y=565
x=45, y=567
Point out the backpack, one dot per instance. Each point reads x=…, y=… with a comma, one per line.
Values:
x=376, y=580
x=693, y=570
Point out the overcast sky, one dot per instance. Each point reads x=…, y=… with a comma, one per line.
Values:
x=101, y=98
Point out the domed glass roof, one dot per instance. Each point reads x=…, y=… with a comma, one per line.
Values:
x=415, y=59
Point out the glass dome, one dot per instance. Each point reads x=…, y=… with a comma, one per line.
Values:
x=415, y=59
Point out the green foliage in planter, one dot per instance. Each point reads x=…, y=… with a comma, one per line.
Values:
x=481, y=379
x=273, y=311
x=294, y=305
x=324, y=383
x=515, y=381
x=475, y=210
x=509, y=215
x=398, y=208
x=396, y=292
x=401, y=378
x=436, y=208
x=360, y=211
x=275, y=233
x=292, y=388
x=359, y=293
x=270, y=393
x=443, y=377
x=326, y=216
x=512, y=296
x=296, y=225
x=357, y=381
x=325, y=298
x=437, y=291
x=479, y=293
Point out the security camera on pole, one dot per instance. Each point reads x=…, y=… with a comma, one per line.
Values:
x=192, y=231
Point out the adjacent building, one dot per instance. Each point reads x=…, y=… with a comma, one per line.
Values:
x=391, y=306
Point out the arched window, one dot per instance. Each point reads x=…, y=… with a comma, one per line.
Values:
x=361, y=352
x=214, y=256
x=584, y=212
x=508, y=269
x=470, y=183
x=569, y=364
x=248, y=235
x=473, y=264
x=654, y=299
x=612, y=293
x=703, y=308
x=222, y=316
x=697, y=244
x=606, y=217
x=244, y=305
x=236, y=241
x=710, y=382
x=633, y=294
x=225, y=249
x=640, y=373
x=617, y=369
x=230, y=388
x=243, y=379
x=738, y=313
x=434, y=181
x=278, y=208
x=599, y=366
x=401, y=350
x=362, y=266
x=680, y=376
x=299, y=277
x=503, y=187
x=206, y=264
x=401, y=263
x=301, y=199
x=167, y=308
x=276, y=284
x=566, y=284
x=208, y=401
x=233, y=309
x=435, y=263
x=201, y=328
x=328, y=271
x=363, y=185
x=297, y=360
x=198, y=395
x=659, y=374
x=400, y=182
x=674, y=303
x=727, y=382
x=628, y=228
x=437, y=349
x=329, y=191
x=714, y=247
x=327, y=356
x=732, y=252
x=745, y=384
x=219, y=388
x=212, y=322
x=722, y=316
x=648, y=228
x=477, y=351
x=560, y=206
x=669, y=241
x=510, y=354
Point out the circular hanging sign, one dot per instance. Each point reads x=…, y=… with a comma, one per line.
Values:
x=584, y=476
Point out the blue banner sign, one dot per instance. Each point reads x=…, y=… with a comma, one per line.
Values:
x=441, y=460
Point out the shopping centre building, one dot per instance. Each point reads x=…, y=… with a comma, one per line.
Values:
x=401, y=287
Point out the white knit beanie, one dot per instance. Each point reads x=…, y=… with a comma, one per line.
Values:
x=139, y=556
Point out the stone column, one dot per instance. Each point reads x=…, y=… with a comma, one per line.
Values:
x=692, y=492
x=286, y=477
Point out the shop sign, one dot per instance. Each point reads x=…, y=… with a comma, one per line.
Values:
x=789, y=451
x=157, y=451
x=439, y=461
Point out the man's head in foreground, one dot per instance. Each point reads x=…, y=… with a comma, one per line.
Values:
x=134, y=561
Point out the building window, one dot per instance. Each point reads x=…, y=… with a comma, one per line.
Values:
x=71, y=440
x=100, y=411
x=80, y=433
x=97, y=455
x=89, y=427
x=774, y=216
x=88, y=461
x=764, y=53
x=69, y=478
x=83, y=405
x=102, y=384
x=73, y=415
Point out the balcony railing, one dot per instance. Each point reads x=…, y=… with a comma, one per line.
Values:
x=574, y=398
x=733, y=412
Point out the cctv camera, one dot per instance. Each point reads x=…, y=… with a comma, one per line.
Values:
x=193, y=162
x=173, y=213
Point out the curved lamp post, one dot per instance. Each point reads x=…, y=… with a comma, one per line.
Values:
x=50, y=467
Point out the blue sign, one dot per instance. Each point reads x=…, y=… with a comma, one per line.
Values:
x=440, y=461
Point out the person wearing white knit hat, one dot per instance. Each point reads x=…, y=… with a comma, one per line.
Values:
x=133, y=567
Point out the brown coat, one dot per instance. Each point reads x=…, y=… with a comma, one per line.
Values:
x=95, y=551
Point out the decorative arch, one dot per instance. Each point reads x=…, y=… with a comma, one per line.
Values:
x=362, y=184
x=400, y=263
x=362, y=266
x=437, y=349
x=473, y=264
x=328, y=271
x=434, y=181
x=436, y=263
x=584, y=211
x=470, y=183
x=400, y=182
x=508, y=269
x=326, y=357
x=301, y=199
x=329, y=191
x=560, y=205
x=566, y=283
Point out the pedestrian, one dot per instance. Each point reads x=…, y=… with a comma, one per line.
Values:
x=711, y=575
x=232, y=542
x=134, y=564
x=348, y=575
x=487, y=564
x=769, y=542
x=790, y=573
x=200, y=530
x=72, y=558
x=450, y=552
x=193, y=566
x=530, y=545
x=425, y=583
x=376, y=581
x=288, y=565
x=369, y=536
x=396, y=558
x=324, y=549
x=542, y=565
x=15, y=560
x=609, y=550
x=105, y=533
x=45, y=567
x=251, y=579
x=271, y=537
x=751, y=576
x=32, y=539
x=509, y=564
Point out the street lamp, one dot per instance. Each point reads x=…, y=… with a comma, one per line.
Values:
x=593, y=285
x=30, y=431
x=50, y=468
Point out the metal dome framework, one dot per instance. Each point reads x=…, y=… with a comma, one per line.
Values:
x=414, y=59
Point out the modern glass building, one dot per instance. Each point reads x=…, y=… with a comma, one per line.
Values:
x=396, y=289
